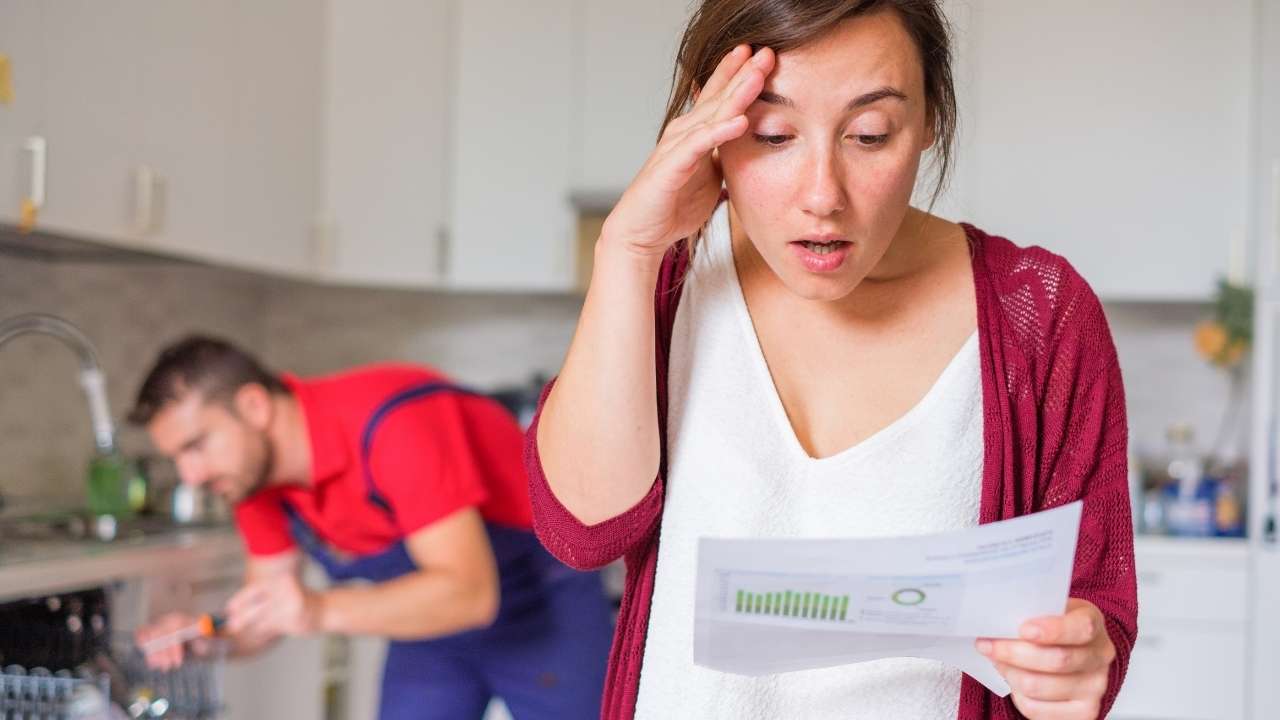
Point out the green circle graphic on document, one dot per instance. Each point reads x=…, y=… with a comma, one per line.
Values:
x=908, y=596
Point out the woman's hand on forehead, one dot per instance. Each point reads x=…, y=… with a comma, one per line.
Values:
x=679, y=186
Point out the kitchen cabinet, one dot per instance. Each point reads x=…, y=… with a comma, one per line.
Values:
x=1265, y=458
x=1116, y=135
x=1193, y=604
x=626, y=53
x=182, y=127
x=386, y=169
x=1266, y=170
x=93, y=58
x=512, y=221
x=273, y=157
x=21, y=39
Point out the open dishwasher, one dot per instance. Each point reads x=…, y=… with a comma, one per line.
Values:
x=61, y=659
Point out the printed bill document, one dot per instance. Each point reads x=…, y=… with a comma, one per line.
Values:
x=772, y=606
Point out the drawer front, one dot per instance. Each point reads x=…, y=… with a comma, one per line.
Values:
x=1174, y=589
x=1180, y=673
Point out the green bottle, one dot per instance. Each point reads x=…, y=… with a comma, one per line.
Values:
x=116, y=487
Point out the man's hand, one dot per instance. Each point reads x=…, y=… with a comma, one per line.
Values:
x=171, y=655
x=1059, y=668
x=274, y=605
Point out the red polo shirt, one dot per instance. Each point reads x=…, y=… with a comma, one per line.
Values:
x=430, y=457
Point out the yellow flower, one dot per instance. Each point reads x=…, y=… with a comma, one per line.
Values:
x=1215, y=345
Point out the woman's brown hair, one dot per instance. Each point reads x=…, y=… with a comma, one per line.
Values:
x=718, y=26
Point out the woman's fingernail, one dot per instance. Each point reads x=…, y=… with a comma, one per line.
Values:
x=984, y=647
x=1031, y=632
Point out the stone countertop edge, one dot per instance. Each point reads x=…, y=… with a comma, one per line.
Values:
x=67, y=566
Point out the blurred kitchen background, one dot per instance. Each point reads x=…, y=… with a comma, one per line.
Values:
x=337, y=182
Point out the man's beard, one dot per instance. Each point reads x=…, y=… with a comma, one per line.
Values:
x=261, y=477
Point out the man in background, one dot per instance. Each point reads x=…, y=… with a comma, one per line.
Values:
x=392, y=475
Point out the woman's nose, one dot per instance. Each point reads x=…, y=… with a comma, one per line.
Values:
x=824, y=192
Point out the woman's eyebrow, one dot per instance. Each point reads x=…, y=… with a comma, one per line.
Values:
x=876, y=96
x=862, y=100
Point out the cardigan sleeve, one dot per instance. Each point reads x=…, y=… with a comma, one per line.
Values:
x=576, y=544
x=1084, y=455
x=566, y=537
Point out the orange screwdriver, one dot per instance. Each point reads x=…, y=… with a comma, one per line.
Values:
x=206, y=625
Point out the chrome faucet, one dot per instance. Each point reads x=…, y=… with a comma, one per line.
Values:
x=91, y=378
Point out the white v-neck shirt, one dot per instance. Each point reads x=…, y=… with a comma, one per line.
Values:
x=736, y=469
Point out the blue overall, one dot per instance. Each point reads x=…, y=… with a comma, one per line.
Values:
x=544, y=655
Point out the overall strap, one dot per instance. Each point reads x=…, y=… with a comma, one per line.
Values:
x=409, y=394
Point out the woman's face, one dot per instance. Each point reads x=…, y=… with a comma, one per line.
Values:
x=821, y=181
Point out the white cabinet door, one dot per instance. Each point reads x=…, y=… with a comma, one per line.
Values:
x=624, y=69
x=184, y=127
x=287, y=681
x=184, y=135
x=1117, y=134
x=94, y=59
x=513, y=114
x=273, y=163
x=22, y=41
x=1184, y=672
x=1267, y=164
x=387, y=75
x=1192, y=605
x=231, y=132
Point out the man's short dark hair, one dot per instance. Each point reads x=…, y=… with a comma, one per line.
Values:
x=208, y=365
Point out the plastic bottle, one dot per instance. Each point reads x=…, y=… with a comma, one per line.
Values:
x=1190, y=496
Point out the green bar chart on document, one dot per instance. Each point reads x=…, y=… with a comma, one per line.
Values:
x=806, y=605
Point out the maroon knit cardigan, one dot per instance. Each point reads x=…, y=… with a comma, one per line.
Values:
x=1054, y=431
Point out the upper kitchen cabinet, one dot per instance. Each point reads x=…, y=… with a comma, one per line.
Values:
x=626, y=55
x=512, y=221
x=275, y=130
x=92, y=57
x=183, y=127
x=1267, y=158
x=23, y=107
x=386, y=110
x=1117, y=134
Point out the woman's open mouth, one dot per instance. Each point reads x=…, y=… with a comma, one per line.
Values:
x=822, y=255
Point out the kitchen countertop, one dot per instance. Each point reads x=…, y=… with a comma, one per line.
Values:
x=38, y=567
x=1211, y=548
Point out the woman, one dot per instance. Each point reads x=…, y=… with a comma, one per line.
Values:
x=841, y=364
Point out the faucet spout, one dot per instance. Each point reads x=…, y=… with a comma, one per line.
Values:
x=92, y=379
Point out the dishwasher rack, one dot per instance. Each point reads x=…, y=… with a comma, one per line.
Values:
x=41, y=695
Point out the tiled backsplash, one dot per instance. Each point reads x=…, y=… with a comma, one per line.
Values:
x=483, y=339
x=129, y=311
x=132, y=309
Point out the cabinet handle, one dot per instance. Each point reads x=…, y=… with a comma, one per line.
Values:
x=323, y=229
x=144, y=200
x=38, y=148
x=442, y=253
x=1275, y=216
